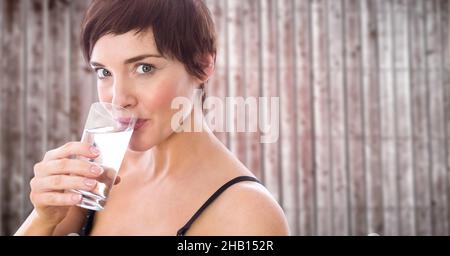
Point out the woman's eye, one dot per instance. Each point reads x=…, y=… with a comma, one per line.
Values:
x=102, y=73
x=144, y=68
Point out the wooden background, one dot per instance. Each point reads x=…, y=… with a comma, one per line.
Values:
x=364, y=88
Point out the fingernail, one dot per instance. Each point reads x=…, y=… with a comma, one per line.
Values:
x=76, y=198
x=95, y=150
x=96, y=169
x=90, y=182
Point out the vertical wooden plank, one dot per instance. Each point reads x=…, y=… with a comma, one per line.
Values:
x=419, y=104
x=80, y=83
x=35, y=95
x=372, y=127
x=23, y=114
x=436, y=113
x=445, y=8
x=2, y=112
x=305, y=143
x=337, y=119
x=68, y=65
x=271, y=158
x=287, y=117
x=217, y=85
x=252, y=48
x=387, y=118
x=45, y=38
x=403, y=118
x=12, y=105
x=58, y=117
x=236, y=81
x=321, y=116
x=355, y=131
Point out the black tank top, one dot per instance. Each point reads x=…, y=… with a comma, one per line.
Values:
x=86, y=229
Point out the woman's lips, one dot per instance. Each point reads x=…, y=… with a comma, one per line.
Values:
x=126, y=121
x=140, y=123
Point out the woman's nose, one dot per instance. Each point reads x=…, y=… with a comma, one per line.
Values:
x=122, y=93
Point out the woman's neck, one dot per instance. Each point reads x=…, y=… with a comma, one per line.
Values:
x=179, y=152
x=177, y=155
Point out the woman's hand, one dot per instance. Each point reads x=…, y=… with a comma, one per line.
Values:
x=56, y=175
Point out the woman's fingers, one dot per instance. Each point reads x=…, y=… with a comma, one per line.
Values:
x=61, y=182
x=68, y=166
x=56, y=199
x=71, y=149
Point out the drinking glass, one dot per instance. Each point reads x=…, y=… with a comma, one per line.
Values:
x=109, y=128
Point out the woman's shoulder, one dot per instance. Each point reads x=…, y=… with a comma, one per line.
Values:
x=245, y=208
x=254, y=210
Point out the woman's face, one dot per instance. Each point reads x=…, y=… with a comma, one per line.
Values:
x=131, y=73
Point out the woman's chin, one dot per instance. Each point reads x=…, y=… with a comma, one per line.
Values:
x=137, y=145
x=144, y=140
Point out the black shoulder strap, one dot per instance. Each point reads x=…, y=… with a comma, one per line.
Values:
x=87, y=227
x=185, y=228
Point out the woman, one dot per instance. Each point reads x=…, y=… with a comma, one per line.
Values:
x=146, y=53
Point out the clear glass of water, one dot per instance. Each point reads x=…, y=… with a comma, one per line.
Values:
x=109, y=128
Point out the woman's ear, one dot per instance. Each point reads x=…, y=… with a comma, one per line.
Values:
x=209, y=71
x=209, y=66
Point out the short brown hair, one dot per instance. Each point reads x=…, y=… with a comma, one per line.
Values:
x=183, y=29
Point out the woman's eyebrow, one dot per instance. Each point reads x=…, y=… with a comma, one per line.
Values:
x=140, y=57
x=130, y=60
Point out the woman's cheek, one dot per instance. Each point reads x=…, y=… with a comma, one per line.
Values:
x=161, y=98
x=103, y=94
